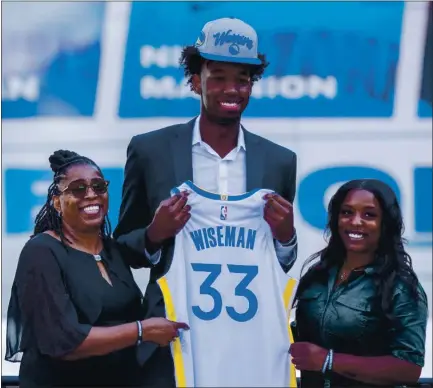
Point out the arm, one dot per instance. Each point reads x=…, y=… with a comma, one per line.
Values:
x=47, y=311
x=135, y=215
x=407, y=346
x=105, y=340
x=383, y=370
x=287, y=252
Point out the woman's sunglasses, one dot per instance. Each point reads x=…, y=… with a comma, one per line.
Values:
x=79, y=187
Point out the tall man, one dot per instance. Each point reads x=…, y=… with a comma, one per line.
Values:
x=216, y=153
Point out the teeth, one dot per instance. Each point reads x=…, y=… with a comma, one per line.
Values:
x=356, y=236
x=91, y=209
x=229, y=104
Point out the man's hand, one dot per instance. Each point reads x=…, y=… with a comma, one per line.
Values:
x=170, y=217
x=279, y=215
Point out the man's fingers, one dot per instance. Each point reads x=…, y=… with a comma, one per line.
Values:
x=273, y=220
x=272, y=223
x=172, y=200
x=283, y=202
x=269, y=210
x=268, y=219
x=273, y=215
x=183, y=215
x=277, y=206
x=179, y=204
x=175, y=198
x=184, y=218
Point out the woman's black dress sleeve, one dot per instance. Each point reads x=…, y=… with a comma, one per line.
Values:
x=41, y=313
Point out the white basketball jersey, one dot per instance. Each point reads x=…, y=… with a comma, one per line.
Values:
x=225, y=281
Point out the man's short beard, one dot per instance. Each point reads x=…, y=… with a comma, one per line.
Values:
x=227, y=121
x=223, y=121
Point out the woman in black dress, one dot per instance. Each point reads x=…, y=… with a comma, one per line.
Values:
x=75, y=314
x=361, y=312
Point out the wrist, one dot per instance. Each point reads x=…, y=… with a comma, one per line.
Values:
x=151, y=234
x=153, y=241
x=145, y=330
x=285, y=242
x=287, y=239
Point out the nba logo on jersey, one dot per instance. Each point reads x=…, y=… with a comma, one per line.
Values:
x=223, y=213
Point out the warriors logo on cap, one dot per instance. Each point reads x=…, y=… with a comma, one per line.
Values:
x=229, y=40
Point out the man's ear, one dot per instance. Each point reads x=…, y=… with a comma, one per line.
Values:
x=196, y=84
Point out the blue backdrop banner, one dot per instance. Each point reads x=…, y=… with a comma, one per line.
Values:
x=326, y=59
x=50, y=62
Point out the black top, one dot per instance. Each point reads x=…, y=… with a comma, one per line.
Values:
x=57, y=296
x=349, y=319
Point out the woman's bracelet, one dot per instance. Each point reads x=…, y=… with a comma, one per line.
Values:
x=325, y=363
x=331, y=359
x=140, y=333
x=327, y=368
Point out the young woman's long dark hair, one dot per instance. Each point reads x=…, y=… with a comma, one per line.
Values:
x=48, y=218
x=391, y=259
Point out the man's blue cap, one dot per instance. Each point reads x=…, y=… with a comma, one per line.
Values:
x=228, y=40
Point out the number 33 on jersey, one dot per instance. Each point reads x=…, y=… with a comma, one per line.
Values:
x=225, y=281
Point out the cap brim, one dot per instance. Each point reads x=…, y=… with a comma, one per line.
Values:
x=222, y=58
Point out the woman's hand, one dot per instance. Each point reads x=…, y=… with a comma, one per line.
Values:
x=161, y=330
x=307, y=356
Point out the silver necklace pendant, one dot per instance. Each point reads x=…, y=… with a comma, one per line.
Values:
x=97, y=257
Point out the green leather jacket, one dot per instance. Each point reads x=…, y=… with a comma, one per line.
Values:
x=349, y=319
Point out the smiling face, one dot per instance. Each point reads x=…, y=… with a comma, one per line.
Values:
x=85, y=211
x=225, y=89
x=359, y=221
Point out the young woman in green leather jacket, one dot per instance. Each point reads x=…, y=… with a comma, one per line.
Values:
x=361, y=313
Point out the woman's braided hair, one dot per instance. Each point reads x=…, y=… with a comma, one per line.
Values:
x=48, y=218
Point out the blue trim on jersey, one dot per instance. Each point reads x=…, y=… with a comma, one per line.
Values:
x=175, y=191
x=220, y=197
